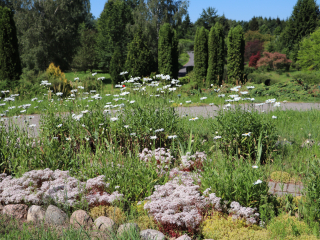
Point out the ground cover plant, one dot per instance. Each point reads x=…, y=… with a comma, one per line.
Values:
x=130, y=150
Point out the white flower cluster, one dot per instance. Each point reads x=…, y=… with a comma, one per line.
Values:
x=37, y=186
x=189, y=162
x=177, y=202
x=238, y=212
x=161, y=155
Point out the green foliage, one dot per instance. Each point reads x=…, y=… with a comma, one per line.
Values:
x=234, y=180
x=10, y=66
x=168, y=51
x=48, y=31
x=219, y=226
x=236, y=47
x=311, y=204
x=116, y=65
x=310, y=78
x=303, y=21
x=310, y=45
x=112, y=31
x=86, y=56
x=201, y=56
x=216, y=56
x=185, y=45
x=232, y=124
x=139, y=55
x=259, y=78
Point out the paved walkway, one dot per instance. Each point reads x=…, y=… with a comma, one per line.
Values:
x=183, y=70
x=281, y=189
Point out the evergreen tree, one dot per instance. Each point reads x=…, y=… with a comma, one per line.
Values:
x=48, y=31
x=216, y=56
x=253, y=24
x=302, y=22
x=116, y=65
x=168, y=51
x=201, y=56
x=139, y=55
x=112, y=31
x=86, y=56
x=236, y=47
x=10, y=65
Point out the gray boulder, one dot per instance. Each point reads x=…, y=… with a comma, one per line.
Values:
x=18, y=211
x=104, y=223
x=35, y=214
x=55, y=215
x=81, y=218
x=151, y=234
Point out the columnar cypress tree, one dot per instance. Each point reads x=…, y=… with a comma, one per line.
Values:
x=201, y=55
x=168, y=51
x=10, y=65
x=139, y=55
x=236, y=46
x=216, y=56
x=116, y=65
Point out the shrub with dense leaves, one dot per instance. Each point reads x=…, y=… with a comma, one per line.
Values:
x=274, y=61
x=246, y=133
x=178, y=205
x=252, y=48
x=254, y=59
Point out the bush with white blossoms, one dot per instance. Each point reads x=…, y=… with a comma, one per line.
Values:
x=161, y=155
x=38, y=186
x=191, y=162
x=179, y=205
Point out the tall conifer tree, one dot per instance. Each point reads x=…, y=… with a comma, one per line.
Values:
x=303, y=21
x=10, y=65
x=201, y=55
x=216, y=56
x=168, y=51
x=236, y=46
x=139, y=55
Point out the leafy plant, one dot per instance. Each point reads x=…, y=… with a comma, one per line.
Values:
x=241, y=130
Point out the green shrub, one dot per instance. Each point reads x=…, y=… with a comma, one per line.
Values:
x=234, y=123
x=218, y=226
x=259, y=78
x=311, y=206
x=307, y=78
x=235, y=181
x=185, y=45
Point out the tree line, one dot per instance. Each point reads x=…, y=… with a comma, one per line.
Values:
x=134, y=36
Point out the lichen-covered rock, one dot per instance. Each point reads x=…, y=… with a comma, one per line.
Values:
x=151, y=234
x=55, y=215
x=127, y=227
x=81, y=218
x=35, y=214
x=18, y=211
x=104, y=223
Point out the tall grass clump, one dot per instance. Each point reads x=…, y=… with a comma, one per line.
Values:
x=245, y=133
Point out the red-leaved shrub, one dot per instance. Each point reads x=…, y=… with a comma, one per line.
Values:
x=252, y=48
x=254, y=59
x=274, y=61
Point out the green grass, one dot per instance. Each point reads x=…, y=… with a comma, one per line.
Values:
x=101, y=146
x=183, y=59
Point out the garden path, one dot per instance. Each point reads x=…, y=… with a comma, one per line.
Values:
x=183, y=70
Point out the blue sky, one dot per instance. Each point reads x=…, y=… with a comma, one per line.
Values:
x=232, y=9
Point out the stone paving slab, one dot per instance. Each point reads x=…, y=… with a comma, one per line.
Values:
x=281, y=189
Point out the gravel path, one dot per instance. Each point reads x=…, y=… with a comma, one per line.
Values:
x=183, y=70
